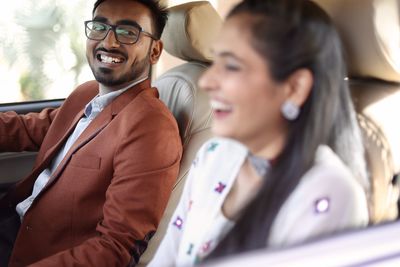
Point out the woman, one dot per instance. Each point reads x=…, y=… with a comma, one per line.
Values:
x=287, y=165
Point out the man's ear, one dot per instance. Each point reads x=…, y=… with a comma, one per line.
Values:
x=299, y=85
x=156, y=49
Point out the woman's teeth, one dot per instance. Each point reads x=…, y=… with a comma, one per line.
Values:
x=219, y=106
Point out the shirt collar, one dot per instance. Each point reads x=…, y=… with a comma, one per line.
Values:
x=99, y=102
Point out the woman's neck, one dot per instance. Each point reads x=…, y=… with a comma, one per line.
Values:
x=268, y=147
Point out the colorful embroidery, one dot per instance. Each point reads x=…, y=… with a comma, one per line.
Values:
x=322, y=205
x=194, y=162
x=206, y=247
x=197, y=260
x=220, y=187
x=178, y=222
x=190, y=250
x=212, y=146
x=190, y=205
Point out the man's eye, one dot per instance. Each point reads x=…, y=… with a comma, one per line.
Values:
x=98, y=27
x=127, y=32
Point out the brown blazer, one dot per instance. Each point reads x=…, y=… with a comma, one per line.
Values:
x=106, y=197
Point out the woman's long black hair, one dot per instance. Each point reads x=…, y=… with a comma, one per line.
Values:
x=290, y=35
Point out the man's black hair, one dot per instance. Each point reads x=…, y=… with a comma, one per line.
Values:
x=159, y=14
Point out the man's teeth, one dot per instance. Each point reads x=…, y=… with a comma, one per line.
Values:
x=108, y=59
x=216, y=105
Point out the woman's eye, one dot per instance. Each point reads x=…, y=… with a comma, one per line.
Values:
x=231, y=67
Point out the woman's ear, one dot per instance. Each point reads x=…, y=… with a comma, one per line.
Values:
x=299, y=86
x=156, y=49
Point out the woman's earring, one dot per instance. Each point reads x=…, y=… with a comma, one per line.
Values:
x=290, y=110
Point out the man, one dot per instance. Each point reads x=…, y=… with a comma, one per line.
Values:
x=108, y=157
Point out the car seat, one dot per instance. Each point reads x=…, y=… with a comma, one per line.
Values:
x=189, y=32
x=370, y=32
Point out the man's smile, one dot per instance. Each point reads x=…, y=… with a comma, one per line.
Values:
x=110, y=58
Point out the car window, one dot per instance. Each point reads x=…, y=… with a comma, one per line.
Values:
x=42, y=49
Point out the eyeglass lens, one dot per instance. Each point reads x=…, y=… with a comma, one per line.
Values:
x=124, y=33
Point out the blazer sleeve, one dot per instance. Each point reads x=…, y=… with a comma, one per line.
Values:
x=327, y=200
x=24, y=132
x=146, y=164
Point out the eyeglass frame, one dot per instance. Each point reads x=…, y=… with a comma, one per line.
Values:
x=114, y=27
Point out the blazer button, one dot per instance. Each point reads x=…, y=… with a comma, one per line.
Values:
x=28, y=228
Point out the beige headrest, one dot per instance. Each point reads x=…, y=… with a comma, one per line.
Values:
x=370, y=31
x=190, y=30
x=190, y=106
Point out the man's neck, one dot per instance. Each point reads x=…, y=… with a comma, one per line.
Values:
x=103, y=89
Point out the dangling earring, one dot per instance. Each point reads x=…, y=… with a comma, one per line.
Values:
x=290, y=110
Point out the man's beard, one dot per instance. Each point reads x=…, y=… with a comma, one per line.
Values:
x=138, y=70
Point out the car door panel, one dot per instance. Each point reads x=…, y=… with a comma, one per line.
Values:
x=16, y=165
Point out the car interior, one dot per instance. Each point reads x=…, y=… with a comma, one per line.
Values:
x=372, y=247
x=370, y=30
x=370, y=34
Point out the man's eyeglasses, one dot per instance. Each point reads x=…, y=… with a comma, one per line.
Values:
x=125, y=34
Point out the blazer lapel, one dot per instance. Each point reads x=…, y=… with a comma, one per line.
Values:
x=54, y=149
x=96, y=126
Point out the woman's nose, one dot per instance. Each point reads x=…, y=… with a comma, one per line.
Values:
x=207, y=81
